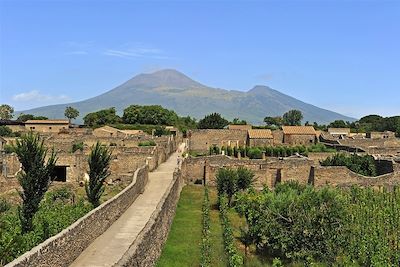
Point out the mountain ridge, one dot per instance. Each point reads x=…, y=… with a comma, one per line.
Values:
x=174, y=90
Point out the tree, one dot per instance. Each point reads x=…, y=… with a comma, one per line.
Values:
x=36, y=175
x=245, y=178
x=213, y=121
x=237, y=121
x=153, y=114
x=227, y=183
x=292, y=117
x=5, y=131
x=71, y=113
x=99, y=164
x=24, y=117
x=6, y=112
x=273, y=121
x=338, y=124
x=102, y=117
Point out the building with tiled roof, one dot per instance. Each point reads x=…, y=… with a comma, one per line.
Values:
x=260, y=137
x=47, y=126
x=299, y=135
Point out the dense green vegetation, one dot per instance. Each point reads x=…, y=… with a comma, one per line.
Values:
x=213, y=121
x=357, y=227
x=5, y=131
x=364, y=165
x=58, y=210
x=76, y=147
x=153, y=114
x=102, y=117
x=24, y=117
x=71, y=113
x=147, y=143
x=6, y=112
x=205, y=259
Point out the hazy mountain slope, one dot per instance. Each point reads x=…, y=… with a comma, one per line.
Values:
x=176, y=91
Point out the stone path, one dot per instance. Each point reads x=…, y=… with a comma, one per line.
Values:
x=107, y=249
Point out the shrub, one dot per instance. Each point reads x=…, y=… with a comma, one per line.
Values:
x=227, y=183
x=5, y=131
x=8, y=149
x=229, y=151
x=77, y=146
x=61, y=194
x=4, y=205
x=364, y=165
x=147, y=143
x=254, y=153
x=245, y=178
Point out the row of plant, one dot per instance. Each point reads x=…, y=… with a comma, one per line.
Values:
x=205, y=259
x=364, y=165
x=147, y=143
x=38, y=218
x=298, y=223
x=234, y=258
x=270, y=151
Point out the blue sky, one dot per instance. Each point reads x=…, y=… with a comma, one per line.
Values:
x=339, y=55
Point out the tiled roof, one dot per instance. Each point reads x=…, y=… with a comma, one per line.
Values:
x=300, y=130
x=339, y=130
x=47, y=122
x=243, y=127
x=260, y=134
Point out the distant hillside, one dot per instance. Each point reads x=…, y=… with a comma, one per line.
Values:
x=176, y=91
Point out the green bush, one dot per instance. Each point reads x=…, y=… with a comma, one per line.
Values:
x=147, y=143
x=364, y=165
x=4, y=205
x=77, y=146
x=227, y=182
x=8, y=149
x=205, y=259
x=254, y=153
x=5, y=131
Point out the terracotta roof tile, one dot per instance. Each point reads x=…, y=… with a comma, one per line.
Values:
x=244, y=127
x=300, y=130
x=260, y=134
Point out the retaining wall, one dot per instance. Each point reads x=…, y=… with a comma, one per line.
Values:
x=63, y=248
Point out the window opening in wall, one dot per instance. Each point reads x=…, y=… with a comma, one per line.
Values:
x=60, y=173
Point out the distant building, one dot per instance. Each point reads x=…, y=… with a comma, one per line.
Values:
x=299, y=135
x=15, y=126
x=339, y=132
x=243, y=127
x=260, y=137
x=46, y=126
x=380, y=135
x=108, y=131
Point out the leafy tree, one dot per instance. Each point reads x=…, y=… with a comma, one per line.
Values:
x=5, y=131
x=153, y=114
x=102, y=117
x=6, y=112
x=71, y=113
x=245, y=178
x=237, y=121
x=273, y=121
x=36, y=175
x=24, y=117
x=213, y=121
x=99, y=163
x=338, y=124
x=227, y=183
x=292, y=117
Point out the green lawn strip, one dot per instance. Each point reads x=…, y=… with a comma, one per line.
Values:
x=183, y=244
x=218, y=257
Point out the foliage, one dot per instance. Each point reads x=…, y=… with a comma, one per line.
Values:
x=212, y=121
x=51, y=218
x=245, y=178
x=273, y=121
x=205, y=259
x=99, y=163
x=254, y=153
x=364, y=165
x=4, y=205
x=5, y=131
x=234, y=259
x=102, y=117
x=292, y=117
x=77, y=146
x=320, y=148
x=338, y=124
x=159, y=131
x=295, y=222
x=8, y=149
x=147, y=143
x=71, y=113
x=227, y=183
x=153, y=114
x=214, y=150
x=36, y=176
x=237, y=121
x=6, y=112
x=24, y=117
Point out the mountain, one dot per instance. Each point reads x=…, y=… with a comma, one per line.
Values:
x=176, y=91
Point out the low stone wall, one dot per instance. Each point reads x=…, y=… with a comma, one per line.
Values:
x=147, y=247
x=63, y=248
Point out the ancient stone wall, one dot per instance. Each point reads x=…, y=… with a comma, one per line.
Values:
x=299, y=139
x=63, y=248
x=200, y=140
x=147, y=247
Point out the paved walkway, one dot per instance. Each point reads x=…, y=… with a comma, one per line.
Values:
x=108, y=248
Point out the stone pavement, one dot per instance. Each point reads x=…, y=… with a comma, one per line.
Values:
x=107, y=249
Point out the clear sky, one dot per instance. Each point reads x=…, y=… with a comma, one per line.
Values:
x=339, y=55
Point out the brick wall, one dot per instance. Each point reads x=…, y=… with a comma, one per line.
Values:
x=200, y=140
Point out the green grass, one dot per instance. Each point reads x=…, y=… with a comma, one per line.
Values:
x=183, y=244
x=217, y=246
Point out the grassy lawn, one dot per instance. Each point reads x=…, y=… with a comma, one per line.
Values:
x=183, y=245
x=217, y=246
